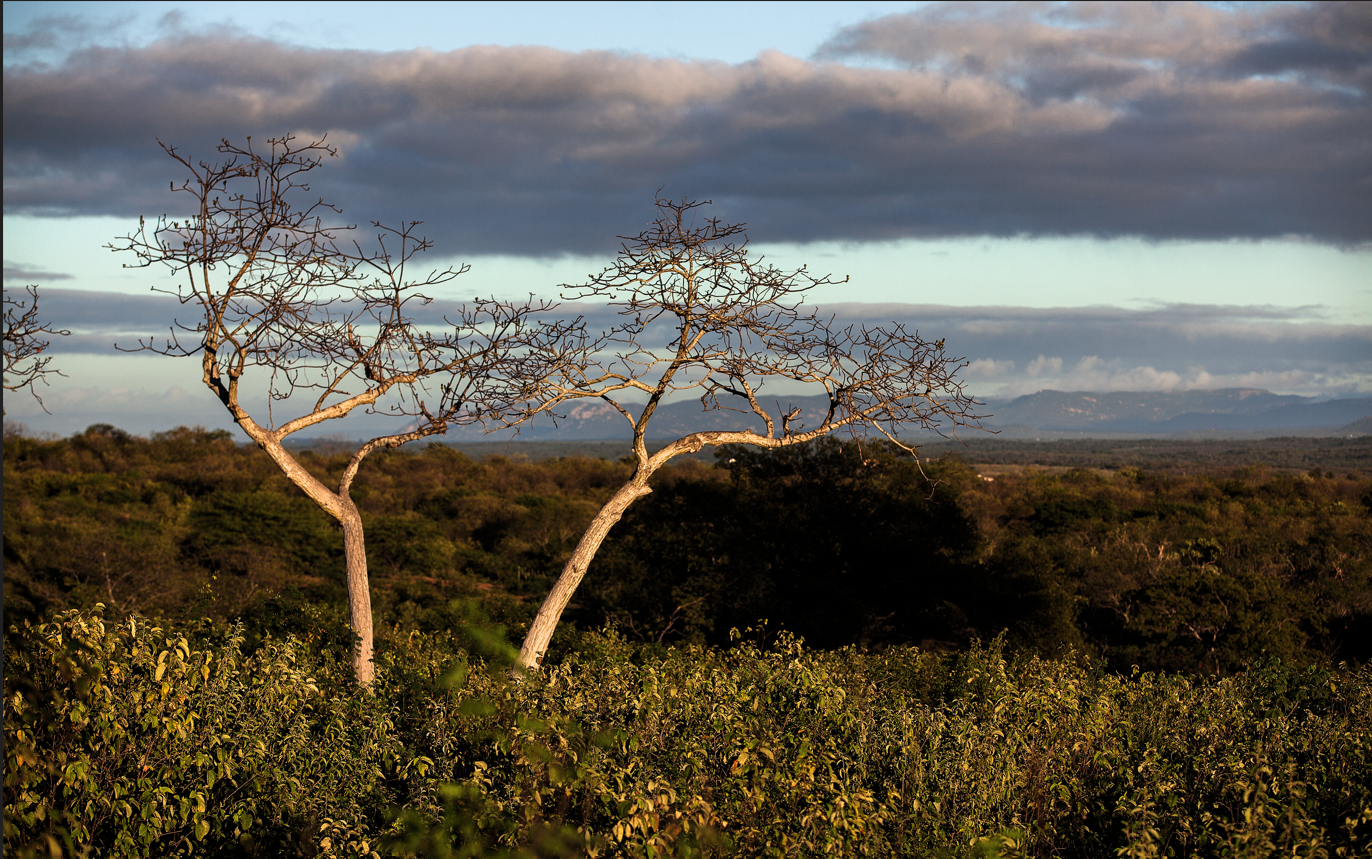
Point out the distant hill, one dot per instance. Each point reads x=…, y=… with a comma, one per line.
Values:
x=1074, y=410
x=1230, y=411
x=1238, y=409
x=596, y=419
x=1361, y=426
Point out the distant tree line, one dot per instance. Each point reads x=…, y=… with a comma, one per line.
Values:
x=1167, y=453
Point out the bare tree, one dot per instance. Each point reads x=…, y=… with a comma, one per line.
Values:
x=734, y=324
x=25, y=351
x=304, y=310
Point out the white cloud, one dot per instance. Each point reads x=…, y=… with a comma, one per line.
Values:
x=1093, y=373
x=1017, y=351
x=988, y=368
x=1041, y=366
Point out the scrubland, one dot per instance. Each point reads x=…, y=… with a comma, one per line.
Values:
x=1076, y=663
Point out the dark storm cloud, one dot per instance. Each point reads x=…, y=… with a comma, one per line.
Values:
x=17, y=271
x=1158, y=120
x=86, y=310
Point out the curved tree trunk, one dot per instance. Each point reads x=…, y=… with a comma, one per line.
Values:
x=359, y=593
x=340, y=506
x=541, y=631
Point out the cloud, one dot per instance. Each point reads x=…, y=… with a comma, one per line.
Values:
x=91, y=311
x=18, y=271
x=1226, y=339
x=1043, y=366
x=1165, y=121
x=1093, y=373
x=1019, y=350
x=1008, y=350
x=73, y=406
x=52, y=33
x=988, y=368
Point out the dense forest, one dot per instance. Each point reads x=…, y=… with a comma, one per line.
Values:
x=833, y=649
x=1200, y=569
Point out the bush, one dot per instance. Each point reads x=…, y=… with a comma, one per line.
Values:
x=841, y=544
x=127, y=739
x=137, y=740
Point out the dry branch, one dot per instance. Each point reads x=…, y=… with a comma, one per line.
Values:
x=25, y=351
x=737, y=325
x=301, y=305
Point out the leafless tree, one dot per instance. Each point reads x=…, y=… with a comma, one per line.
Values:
x=25, y=351
x=734, y=324
x=301, y=308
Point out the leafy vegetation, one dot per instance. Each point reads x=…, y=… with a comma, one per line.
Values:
x=1182, y=454
x=1353, y=452
x=840, y=544
x=163, y=525
x=128, y=738
x=1177, y=666
x=847, y=545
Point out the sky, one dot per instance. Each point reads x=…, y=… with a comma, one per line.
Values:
x=1075, y=196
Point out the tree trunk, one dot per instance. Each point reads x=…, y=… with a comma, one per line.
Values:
x=341, y=507
x=359, y=593
x=541, y=631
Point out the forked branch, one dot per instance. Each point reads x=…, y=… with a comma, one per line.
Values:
x=314, y=316
x=25, y=353
x=701, y=316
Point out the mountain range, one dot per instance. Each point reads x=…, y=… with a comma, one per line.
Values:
x=1240, y=409
x=1229, y=411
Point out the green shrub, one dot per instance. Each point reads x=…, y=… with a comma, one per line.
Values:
x=131, y=739
x=1198, y=570
x=128, y=739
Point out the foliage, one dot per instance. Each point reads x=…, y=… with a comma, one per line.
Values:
x=846, y=544
x=148, y=524
x=1179, y=454
x=125, y=738
x=837, y=543
x=130, y=739
x=840, y=544
x=1200, y=573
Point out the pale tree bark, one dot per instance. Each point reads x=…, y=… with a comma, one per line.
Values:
x=550, y=612
x=359, y=594
x=303, y=308
x=338, y=504
x=735, y=324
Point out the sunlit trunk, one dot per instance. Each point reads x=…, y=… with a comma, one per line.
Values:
x=541, y=631
x=359, y=594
